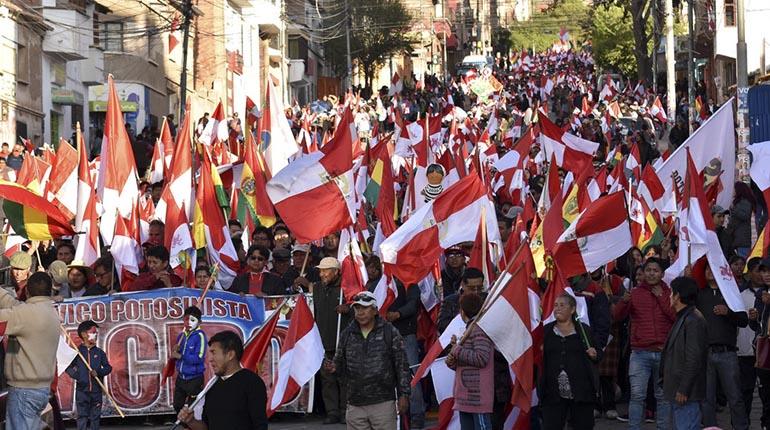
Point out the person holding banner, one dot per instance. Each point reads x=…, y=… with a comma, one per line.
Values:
x=238, y=398
x=159, y=276
x=30, y=361
x=190, y=353
x=257, y=280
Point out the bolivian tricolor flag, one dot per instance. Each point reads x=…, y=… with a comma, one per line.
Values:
x=31, y=215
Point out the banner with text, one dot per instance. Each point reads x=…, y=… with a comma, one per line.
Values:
x=137, y=329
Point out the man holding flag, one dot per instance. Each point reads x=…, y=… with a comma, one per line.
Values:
x=238, y=398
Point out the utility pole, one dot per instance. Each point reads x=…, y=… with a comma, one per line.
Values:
x=670, y=62
x=348, y=19
x=690, y=62
x=655, y=44
x=187, y=12
x=742, y=90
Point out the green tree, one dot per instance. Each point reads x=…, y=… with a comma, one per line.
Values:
x=640, y=13
x=378, y=31
x=542, y=30
x=612, y=36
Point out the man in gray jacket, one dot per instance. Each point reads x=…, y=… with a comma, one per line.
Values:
x=683, y=361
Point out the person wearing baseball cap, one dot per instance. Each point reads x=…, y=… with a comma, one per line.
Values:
x=372, y=357
x=21, y=263
x=718, y=216
x=331, y=316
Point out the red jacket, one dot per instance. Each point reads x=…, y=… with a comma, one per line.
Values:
x=148, y=281
x=651, y=317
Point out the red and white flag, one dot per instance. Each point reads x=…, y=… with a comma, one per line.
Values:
x=126, y=249
x=302, y=353
x=178, y=190
x=507, y=321
x=210, y=133
x=252, y=111
x=443, y=384
x=385, y=292
x=117, y=180
x=455, y=328
x=396, y=85
x=86, y=215
x=713, y=143
x=597, y=236
x=572, y=153
x=353, y=275
x=278, y=143
x=412, y=250
x=658, y=111
x=63, y=182
x=760, y=167
x=65, y=353
x=157, y=170
x=697, y=237
x=318, y=186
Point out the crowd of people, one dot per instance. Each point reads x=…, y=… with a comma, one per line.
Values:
x=675, y=353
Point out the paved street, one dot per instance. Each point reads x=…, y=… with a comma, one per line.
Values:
x=296, y=422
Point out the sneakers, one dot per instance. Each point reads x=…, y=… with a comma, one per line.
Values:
x=649, y=417
x=612, y=414
x=622, y=418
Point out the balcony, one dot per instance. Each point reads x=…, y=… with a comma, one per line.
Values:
x=266, y=14
x=296, y=70
x=70, y=37
x=92, y=68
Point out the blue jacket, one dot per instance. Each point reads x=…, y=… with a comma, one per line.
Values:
x=79, y=371
x=193, y=349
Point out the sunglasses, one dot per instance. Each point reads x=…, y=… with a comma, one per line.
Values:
x=364, y=298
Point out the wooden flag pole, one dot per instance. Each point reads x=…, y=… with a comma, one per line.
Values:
x=212, y=278
x=99, y=381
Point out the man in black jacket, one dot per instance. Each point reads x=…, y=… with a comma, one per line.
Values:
x=472, y=282
x=331, y=316
x=723, y=326
x=452, y=274
x=403, y=315
x=372, y=360
x=683, y=360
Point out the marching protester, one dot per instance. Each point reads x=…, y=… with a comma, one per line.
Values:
x=371, y=359
x=88, y=393
x=331, y=317
x=649, y=311
x=190, y=354
x=723, y=368
x=33, y=335
x=238, y=398
x=473, y=360
x=684, y=358
x=570, y=381
x=257, y=279
x=158, y=275
x=527, y=186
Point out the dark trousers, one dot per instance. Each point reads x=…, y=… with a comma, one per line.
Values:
x=748, y=376
x=334, y=393
x=89, y=404
x=764, y=395
x=580, y=414
x=607, y=394
x=185, y=391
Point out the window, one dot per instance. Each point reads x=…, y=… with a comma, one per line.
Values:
x=22, y=63
x=729, y=13
x=97, y=29
x=112, y=37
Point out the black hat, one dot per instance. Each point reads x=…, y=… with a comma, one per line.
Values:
x=85, y=326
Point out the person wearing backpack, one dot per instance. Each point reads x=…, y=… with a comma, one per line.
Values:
x=371, y=359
